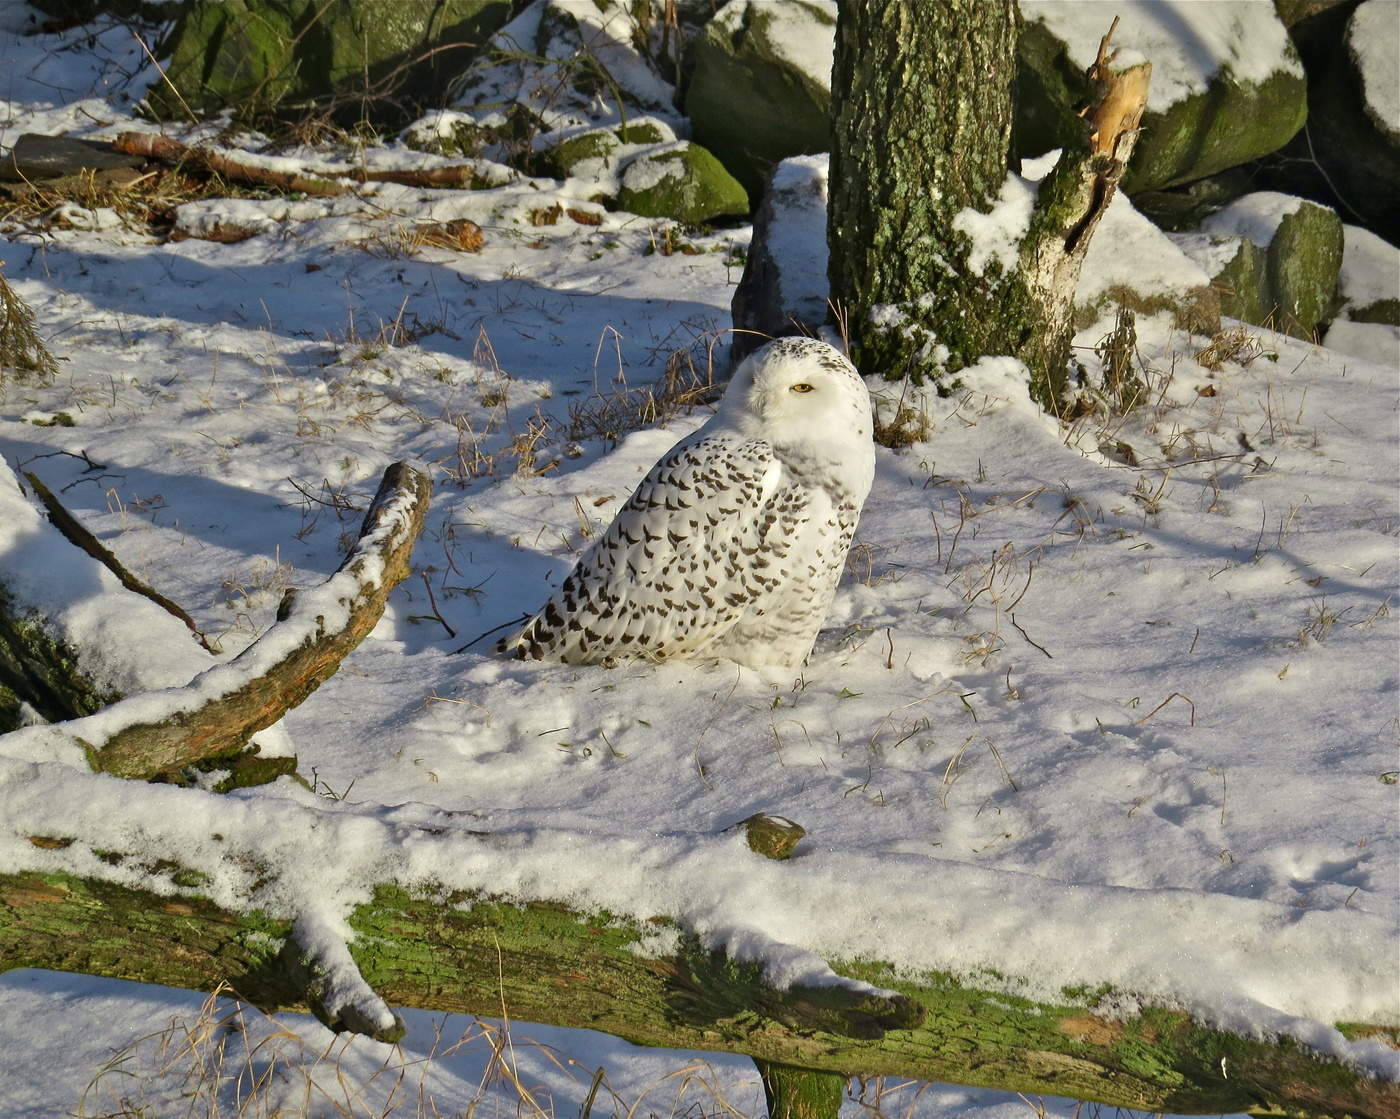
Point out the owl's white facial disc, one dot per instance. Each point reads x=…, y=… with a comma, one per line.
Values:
x=799, y=391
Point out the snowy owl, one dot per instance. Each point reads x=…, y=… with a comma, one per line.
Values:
x=733, y=544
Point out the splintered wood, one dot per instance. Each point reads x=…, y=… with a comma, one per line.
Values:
x=1120, y=96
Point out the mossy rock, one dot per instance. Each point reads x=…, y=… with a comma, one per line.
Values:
x=1304, y=259
x=1229, y=123
x=563, y=159
x=1243, y=284
x=749, y=101
x=1238, y=274
x=570, y=157
x=644, y=132
x=681, y=181
x=270, y=56
x=451, y=134
x=1275, y=261
x=1385, y=311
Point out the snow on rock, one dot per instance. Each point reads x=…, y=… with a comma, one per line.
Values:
x=784, y=286
x=1186, y=41
x=1256, y=216
x=1371, y=341
x=1370, y=276
x=807, y=45
x=1374, y=43
x=1129, y=255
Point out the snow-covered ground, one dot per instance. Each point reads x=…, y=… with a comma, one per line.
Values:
x=1110, y=702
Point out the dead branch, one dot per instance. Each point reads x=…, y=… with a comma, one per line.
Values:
x=465, y=175
x=215, y=715
x=167, y=148
x=73, y=529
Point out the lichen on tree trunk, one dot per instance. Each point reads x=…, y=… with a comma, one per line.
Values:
x=922, y=117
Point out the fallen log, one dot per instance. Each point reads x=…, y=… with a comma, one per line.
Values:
x=214, y=716
x=546, y=963
x=230, y=166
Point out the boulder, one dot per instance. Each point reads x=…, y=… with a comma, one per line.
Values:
x=1286, y=275
x=1368, y=324
x=1369, y=286
x=1373, y=48
x=256, y=56
x=681, y=181
x=761, y=85
x=784, y=287
x=594, y=153
x=1238, y=272
x=1349, y=154
x=1227, y=83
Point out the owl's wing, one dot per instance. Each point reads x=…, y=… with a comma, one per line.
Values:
x=692, y=548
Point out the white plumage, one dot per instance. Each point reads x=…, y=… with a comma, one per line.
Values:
x=734, y=542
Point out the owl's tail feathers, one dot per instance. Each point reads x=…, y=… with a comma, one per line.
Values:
x=522, y=644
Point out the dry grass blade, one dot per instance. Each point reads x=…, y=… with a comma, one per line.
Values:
x=1235, y=345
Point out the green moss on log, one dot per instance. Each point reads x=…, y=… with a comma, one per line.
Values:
x=552, y=965
x=39, y=668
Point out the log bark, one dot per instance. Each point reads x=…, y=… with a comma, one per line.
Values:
x=227, y=164
x=264, y=682
x=546, y=963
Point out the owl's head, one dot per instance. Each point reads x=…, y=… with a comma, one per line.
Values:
x=800, y=391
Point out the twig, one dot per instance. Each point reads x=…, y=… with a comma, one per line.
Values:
x=1174, y=695
x=1030, y=573
x=436, y=615
x=494, y=629
x=1027, y=636
x=76, y=534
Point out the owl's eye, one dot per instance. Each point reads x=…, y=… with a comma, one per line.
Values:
x=804, y=387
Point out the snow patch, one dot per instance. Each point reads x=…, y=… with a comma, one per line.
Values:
x=1375, y=43
x=1188, y=42
x=996, y=235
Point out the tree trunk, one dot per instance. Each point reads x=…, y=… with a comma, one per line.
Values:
x=922, y=110
x=546, y=963
x=921, y=98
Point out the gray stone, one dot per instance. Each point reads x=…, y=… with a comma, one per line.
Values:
x=784, y=286
x=51, y=157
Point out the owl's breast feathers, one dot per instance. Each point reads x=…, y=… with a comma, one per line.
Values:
x=703, y=544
